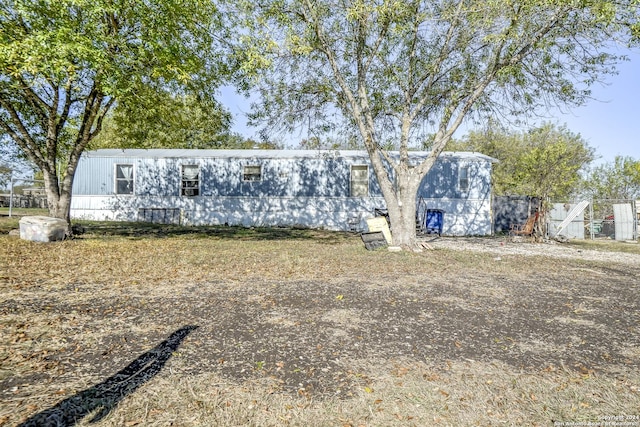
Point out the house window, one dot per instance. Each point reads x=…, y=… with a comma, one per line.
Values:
x=124, y=179
x=252, y=173
x=463, y=178
x=359, y=181
x=190, y=180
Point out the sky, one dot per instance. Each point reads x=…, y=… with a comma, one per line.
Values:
x=610, y=123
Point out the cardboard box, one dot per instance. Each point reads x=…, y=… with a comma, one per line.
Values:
x=42, y=228
x=380, y=224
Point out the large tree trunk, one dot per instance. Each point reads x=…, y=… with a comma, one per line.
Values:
x=402, y=210
x=58, y=199
x=59, y=190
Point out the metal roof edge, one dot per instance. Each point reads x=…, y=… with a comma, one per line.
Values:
x=234, y=153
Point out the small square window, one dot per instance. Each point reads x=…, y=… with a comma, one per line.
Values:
x=252, y=173
x=124, y=179
x=190, y=180
x=359, y=181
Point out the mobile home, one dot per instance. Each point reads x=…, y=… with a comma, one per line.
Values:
x=331, y=189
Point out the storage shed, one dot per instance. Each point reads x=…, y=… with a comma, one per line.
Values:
x=331, y=189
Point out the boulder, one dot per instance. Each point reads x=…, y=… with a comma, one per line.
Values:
x=42, y=229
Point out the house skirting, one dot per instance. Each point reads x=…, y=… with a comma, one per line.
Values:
x=461, y=217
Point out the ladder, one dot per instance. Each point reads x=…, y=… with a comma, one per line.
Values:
x=573, y=213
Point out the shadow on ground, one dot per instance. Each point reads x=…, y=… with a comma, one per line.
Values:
x=104, y=397
x=149, y=230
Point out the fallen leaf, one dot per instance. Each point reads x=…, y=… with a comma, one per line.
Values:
x=400, y=372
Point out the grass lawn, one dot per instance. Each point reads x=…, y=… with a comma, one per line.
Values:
x=8, y=222
x=222, y=326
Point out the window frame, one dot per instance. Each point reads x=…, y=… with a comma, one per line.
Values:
x=117, y=179
x=361, y=181
x=464, y=180
x=246, y=176
x=183, y=188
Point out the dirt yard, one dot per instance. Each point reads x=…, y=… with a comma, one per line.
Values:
x=226, y=326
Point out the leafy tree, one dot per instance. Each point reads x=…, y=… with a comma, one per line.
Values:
x=64, y=63
x=329, y=143
x=544, y=162
x=13, y=157
x=397, y=71
x=550, y=168
x=617, y=180
x=165, y=121
x=5, y=176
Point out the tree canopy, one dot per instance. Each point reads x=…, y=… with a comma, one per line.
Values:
x=544, y=162
x=5, y=175
x=166, y=121
x=399, y=72
x=64, y=63
x=617, y=180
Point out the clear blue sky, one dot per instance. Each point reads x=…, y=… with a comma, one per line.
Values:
x=610, y=124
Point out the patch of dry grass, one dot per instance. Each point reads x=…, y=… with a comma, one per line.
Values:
x=74, y=312
x=400, y=393
x=126, y=261
x=631, y=247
